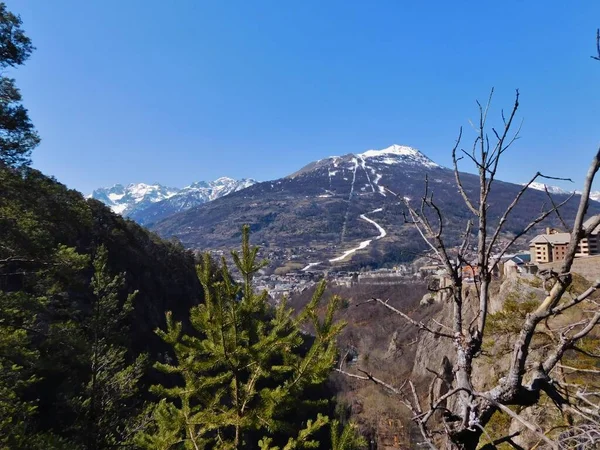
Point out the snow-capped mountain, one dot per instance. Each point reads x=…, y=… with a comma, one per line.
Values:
x=383, y=159
x=148, y=202
x=125, y=199
x=594, y=195
x=397, y=154
x=542, y=187
x=188, y=197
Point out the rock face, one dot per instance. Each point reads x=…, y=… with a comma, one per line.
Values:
x=437, y=354
x=346, y=210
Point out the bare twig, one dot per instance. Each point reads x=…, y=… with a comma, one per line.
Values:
x=461, y=189
x=419, y=325
x=555, y=208
x=506, y=439
x=536, y=429
x=577, y=369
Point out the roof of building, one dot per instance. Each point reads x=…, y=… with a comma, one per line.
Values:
x=521, y=258
x=556, y=238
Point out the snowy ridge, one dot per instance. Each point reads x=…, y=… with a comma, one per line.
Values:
x=220, y=187
x=375, y=160
x=122, y=199
x=594, y=195
x=137, y=197
x=541, y=187
x=398, y=154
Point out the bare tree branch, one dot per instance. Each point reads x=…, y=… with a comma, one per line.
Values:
x=536, y=429
x=461, y=189
x=468, y=412
x=556, y=209
x=419, y=325
x=506, y=439
x=526, y=230
x=507, y=212
x=577, y=369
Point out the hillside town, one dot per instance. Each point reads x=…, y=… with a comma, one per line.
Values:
x=546, y=251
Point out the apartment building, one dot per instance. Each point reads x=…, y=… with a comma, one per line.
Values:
x=553, y=245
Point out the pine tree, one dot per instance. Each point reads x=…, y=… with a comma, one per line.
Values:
x=346, y=437
x=17, y=359
x=248, y=371
x=108, y=400
x=23, y=327
x=17, y=134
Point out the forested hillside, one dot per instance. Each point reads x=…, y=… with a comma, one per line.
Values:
x=48, y=240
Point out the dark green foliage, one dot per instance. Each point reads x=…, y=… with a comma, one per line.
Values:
x=346, y=437
x=15, y=46
x=108, y=400
x=248, y=372
x=16, y=361
x=37, y=214
x=48, y=235
x=17, y=134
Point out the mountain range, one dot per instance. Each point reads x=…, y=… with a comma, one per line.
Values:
x=594, y=195
x=339, y=212
x=147, y=203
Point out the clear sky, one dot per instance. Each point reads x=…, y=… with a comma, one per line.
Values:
x=178, y=91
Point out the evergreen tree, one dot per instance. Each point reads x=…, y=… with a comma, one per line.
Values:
x=16, y=361
x=109, y=399
x=17, y=134
x=23, y=358
x=346, y=437
x=247, y=371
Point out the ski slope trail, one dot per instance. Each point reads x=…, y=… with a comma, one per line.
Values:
x=364, y=244
x=349, y=200
x=377, y=179
x=310, y=265
x=363, y=164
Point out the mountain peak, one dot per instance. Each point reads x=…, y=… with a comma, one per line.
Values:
x=223, y=180
x=392, y=149
x=396, y=154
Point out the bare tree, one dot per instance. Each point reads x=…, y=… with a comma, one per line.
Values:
x=460, y=412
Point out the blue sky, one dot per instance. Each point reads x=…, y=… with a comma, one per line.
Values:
x=173, y=92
